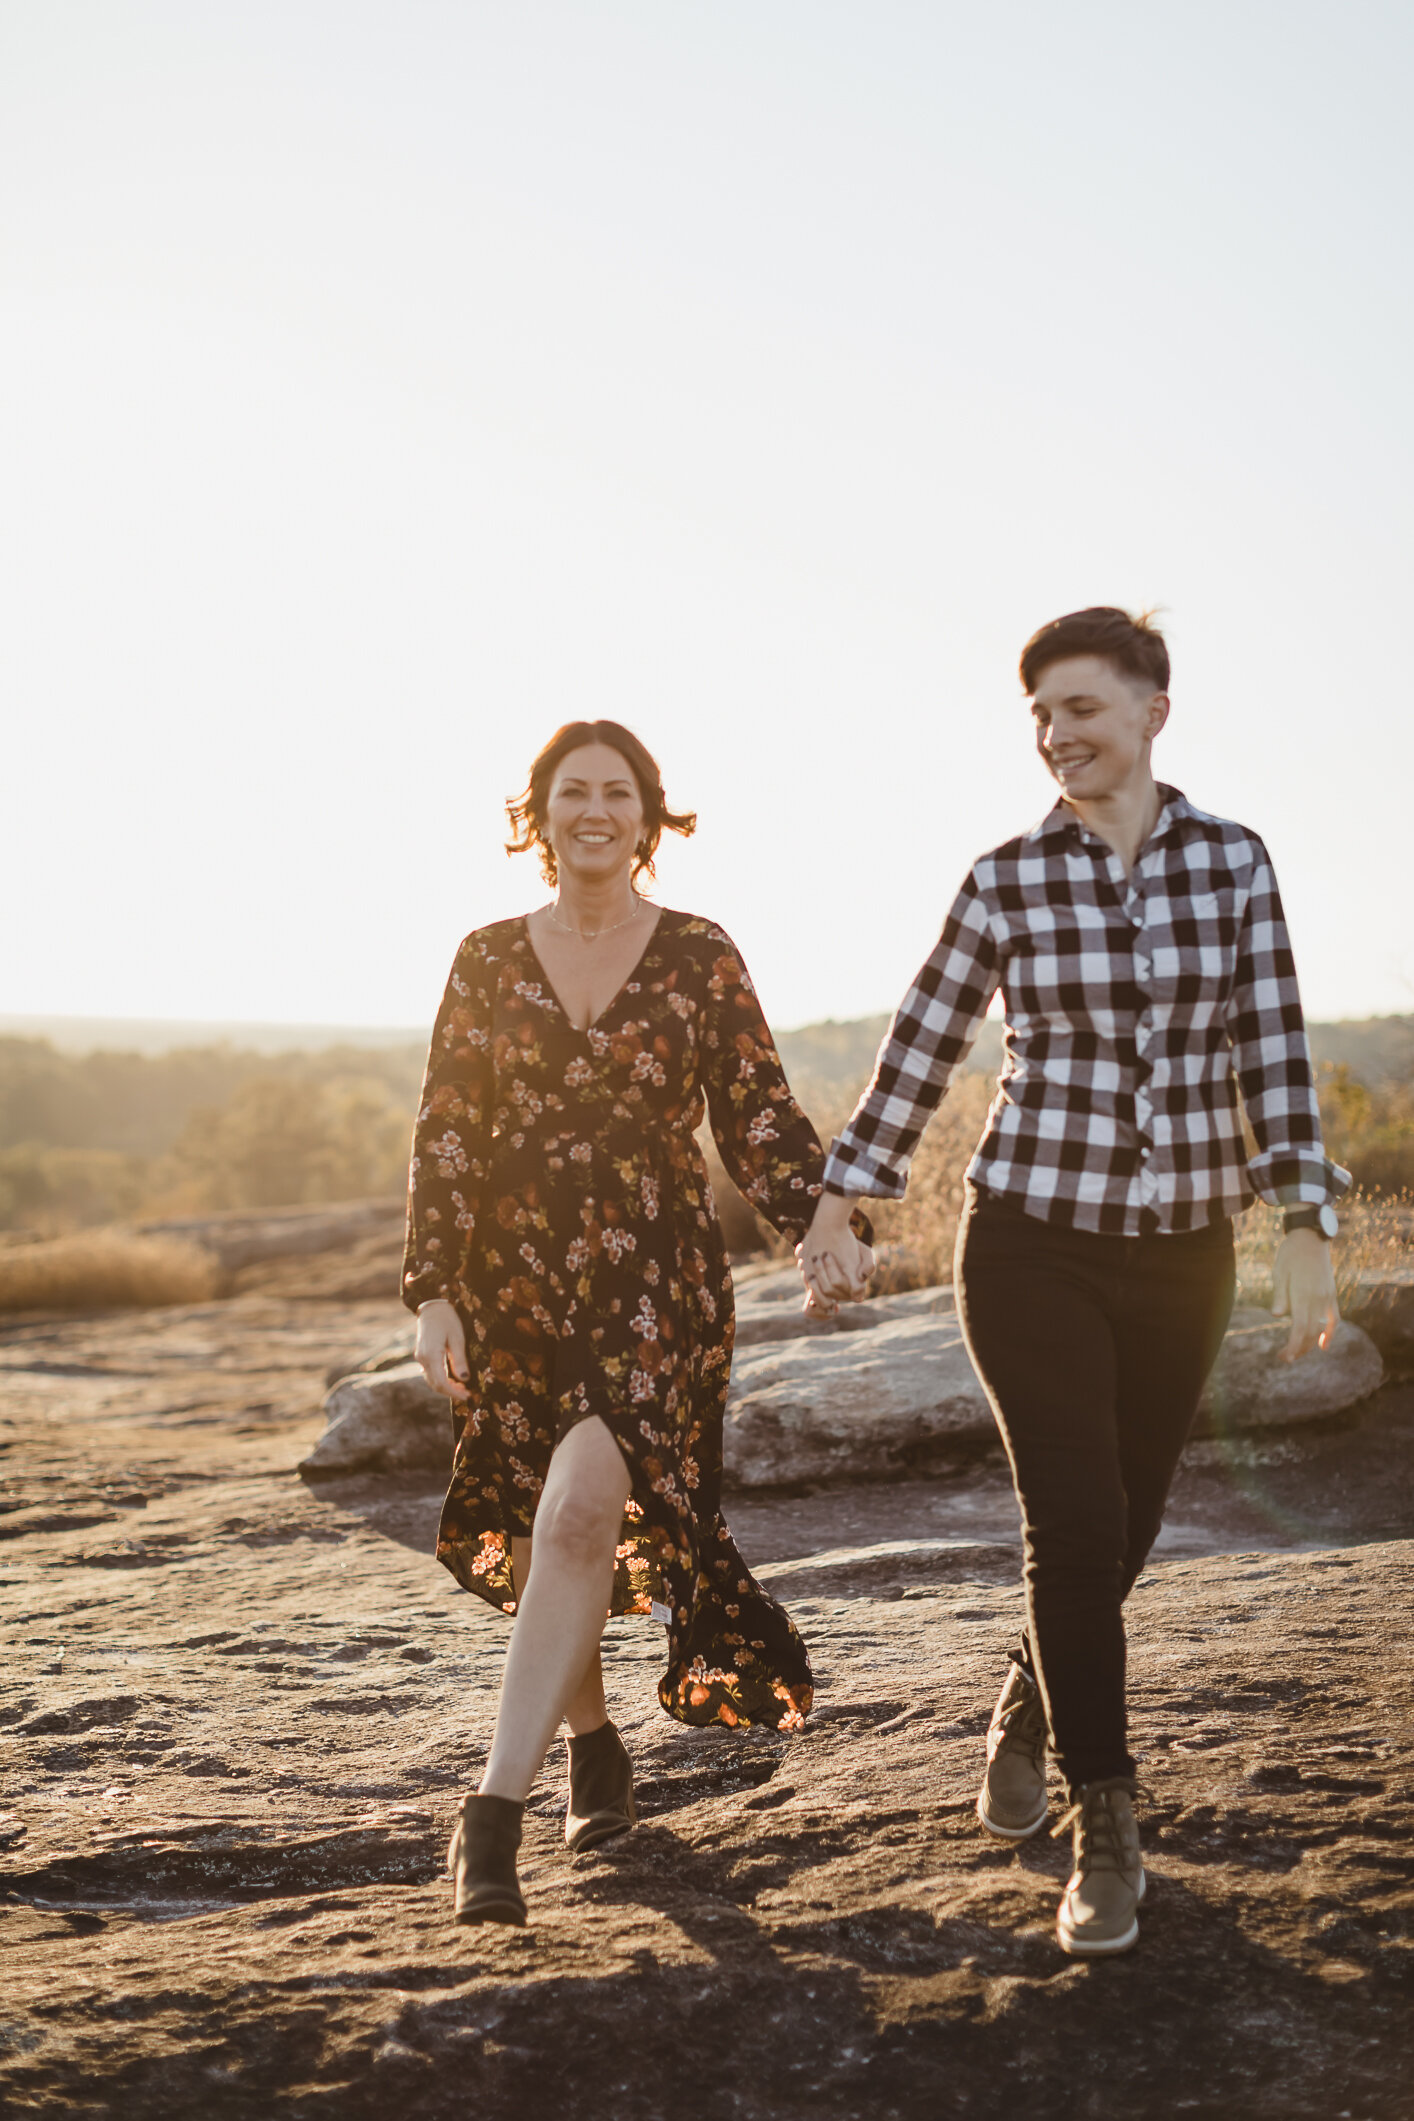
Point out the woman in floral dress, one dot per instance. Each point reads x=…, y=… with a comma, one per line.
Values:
x=574, y=1300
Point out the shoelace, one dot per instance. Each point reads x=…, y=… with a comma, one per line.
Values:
x=1026, y=1706
x=1101, y=1847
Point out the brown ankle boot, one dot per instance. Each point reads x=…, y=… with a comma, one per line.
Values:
x=601, y=1789
x=482, y=1860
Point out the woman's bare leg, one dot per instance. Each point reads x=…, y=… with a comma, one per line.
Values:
x=587, y=1709
x=561, y=1616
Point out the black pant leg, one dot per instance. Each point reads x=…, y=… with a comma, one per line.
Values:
x=1034, y=1306
x=1174, y=1308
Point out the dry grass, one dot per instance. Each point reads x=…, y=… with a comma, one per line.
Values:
x=93, y=1269
x=915, y=1236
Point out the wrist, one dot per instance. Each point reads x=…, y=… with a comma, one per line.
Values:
x=832, y=1212
x=1321, y=1222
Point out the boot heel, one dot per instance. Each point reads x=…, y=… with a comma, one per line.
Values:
x=601, y=1802
x=482, y=1860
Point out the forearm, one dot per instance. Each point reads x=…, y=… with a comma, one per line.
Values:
x=931, y=1034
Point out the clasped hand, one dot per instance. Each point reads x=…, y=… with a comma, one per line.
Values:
x=835, y=1265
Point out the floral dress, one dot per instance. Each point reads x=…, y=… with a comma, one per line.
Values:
x=559, y=1200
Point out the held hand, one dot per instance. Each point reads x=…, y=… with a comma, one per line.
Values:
x=1303, y=1289
x=832, y=1261
x=441, y=1349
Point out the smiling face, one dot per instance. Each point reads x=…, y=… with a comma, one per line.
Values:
x=594, y=814
x=1095, y=725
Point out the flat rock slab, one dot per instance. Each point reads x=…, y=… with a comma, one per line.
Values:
x=221, y=1891
x=239, y=1708
x=885, y=1391
x=241, y=1237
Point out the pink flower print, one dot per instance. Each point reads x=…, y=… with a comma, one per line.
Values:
x=581, y=1153
x=761, y=1130
x=644, y=1321
x=578, y=1073
x=619, y=1242
x=648, y=1191
x=450, y=1155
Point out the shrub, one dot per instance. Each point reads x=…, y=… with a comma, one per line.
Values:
x=93, y=1269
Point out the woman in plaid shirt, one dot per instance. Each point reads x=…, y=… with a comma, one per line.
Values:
x=1142, y=955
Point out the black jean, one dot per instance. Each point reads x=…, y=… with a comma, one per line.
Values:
x=1093, y=1351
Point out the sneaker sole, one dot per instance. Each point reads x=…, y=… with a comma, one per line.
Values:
x=1081, y=1947
x=1013, y=1833
x=510, y=1912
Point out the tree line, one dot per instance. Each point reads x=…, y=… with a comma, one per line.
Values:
x=115, y=1136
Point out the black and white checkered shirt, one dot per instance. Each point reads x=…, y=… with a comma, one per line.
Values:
x=1136, y=1006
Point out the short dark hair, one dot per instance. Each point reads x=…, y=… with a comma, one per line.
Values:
x=1131, y=644
x=528, y=813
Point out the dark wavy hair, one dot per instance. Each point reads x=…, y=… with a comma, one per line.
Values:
x=1130, y=643
x=528, y=813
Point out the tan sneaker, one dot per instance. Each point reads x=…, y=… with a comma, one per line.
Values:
x=1012, y=1801
x=1100, y=1911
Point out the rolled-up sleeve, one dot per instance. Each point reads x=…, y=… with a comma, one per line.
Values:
x=932, y=1034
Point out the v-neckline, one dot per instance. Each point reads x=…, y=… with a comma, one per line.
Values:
x=629, y=977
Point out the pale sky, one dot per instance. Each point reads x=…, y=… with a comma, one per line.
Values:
x=383, y=384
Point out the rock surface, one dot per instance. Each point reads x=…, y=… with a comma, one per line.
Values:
x=241, y=1237
x=1383, y=1304
x=385, y=1418
x=239, y=1709
x=882, y=1391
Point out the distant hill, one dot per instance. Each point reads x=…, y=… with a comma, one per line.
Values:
x=1376, y=1049
x=139, y=1034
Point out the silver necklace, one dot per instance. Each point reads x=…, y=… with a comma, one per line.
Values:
x=556, y=922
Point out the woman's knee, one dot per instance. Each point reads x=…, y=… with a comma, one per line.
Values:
x=579, y=1530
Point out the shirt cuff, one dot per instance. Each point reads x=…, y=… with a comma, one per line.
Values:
x=849, y=1174
x=1302, y=1177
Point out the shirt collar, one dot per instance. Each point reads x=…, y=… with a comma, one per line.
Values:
x=1061, y=828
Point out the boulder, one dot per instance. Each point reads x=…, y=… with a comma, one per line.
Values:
x=385, y=1421
x=1383, y=1306
x=855, y=1406
x=882, y=1391
x=388, y=1354
x=768, y=1308
x=1252, y=1388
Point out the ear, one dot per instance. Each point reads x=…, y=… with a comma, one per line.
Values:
x=1157, y=716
